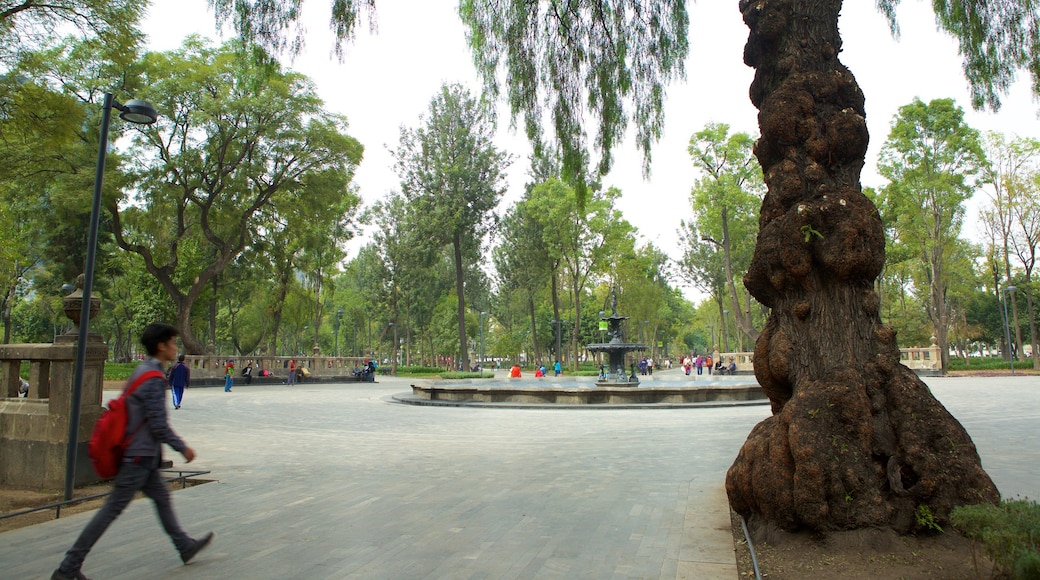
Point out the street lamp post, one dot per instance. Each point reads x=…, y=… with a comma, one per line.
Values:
x=1007, y=330
x=483, y=315
x=339, y=319
x=141, y=113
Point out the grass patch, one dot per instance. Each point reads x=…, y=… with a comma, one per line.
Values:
x=119, y=371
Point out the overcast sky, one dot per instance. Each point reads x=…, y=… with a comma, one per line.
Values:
x=388, y=78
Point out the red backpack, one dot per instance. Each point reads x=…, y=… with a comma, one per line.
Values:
x=109, y=439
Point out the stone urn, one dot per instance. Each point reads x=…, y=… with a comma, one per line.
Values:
x=73, y=304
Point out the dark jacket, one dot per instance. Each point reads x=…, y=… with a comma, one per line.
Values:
x=149, y=401
x=180, y=375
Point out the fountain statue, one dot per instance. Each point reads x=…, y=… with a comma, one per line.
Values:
x=616, y=349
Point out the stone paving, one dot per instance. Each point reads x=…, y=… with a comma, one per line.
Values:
x=335, y=481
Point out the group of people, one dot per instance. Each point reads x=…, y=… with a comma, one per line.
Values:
x=704, y=361
x=539, y=371
x=646, y=365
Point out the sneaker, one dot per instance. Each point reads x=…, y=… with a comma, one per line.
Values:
x=199, y=545
x=59, y=575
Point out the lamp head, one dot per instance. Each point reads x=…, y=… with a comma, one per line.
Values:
x=1010, y=289
x=137, y=111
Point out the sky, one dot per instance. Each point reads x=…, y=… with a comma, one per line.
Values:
x=388, y=77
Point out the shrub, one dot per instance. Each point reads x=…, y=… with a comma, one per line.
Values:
x=465, y=375
x=987, y=364
x=1009, y=533
x=419, y=370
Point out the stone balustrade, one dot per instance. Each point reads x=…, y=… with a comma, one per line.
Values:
x=922, y=360
x=34, y=431
x=205, y=367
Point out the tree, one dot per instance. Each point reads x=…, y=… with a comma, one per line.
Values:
x=931, y=159
x=522, y=261
x=725, y=202
x=580, y=236
x=453, y=176
x=233, y=138
x=1012, y=218
x=858, y=433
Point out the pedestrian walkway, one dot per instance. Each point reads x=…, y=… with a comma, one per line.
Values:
x=335, y=481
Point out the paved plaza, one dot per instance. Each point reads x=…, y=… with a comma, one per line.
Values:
x=335, y=481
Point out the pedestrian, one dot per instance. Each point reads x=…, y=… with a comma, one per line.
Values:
x=180, y=379
x=708, y=363
x=292, y=372
x=514, y=373
x=557, y=369
x=139, y=470
x=248, y=373
x=700, y=364
x=229, y=375
x=650, y=365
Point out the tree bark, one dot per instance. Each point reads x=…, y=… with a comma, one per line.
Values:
x=856, y=439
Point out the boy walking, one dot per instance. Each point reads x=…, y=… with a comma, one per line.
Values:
x=147, y=423
x=180, y=379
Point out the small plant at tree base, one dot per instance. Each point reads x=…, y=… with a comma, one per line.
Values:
x=809, y=232
x=1009, y=533
x=926, y=519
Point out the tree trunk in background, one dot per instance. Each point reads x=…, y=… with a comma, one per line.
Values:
x=456, y=243
x=213, y=320
x=855, y=440
x=534, y=331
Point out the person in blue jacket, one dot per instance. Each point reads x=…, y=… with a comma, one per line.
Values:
x=180, y=379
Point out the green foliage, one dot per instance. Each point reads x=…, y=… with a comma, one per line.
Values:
x=119, y=371
x=808, y=231
x=455, y=375
x=268, y=24
x=987, y=364
x=417, y=370
x=561, y=59
x=29, y=25
x=1009, y=533
x=926, y=519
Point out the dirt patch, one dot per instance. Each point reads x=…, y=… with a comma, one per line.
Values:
x=16, y=500
x=875, y=554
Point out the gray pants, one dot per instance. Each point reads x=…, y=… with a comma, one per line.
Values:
x=133, y=477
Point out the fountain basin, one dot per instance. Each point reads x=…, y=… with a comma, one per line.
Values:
x=573, y=393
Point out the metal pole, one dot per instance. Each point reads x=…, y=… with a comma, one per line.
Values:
x=88, y=287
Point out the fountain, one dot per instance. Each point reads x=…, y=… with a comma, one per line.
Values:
x=616, y=349
x=615, y=388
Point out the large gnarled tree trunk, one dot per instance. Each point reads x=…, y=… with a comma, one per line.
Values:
x=856, y=439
